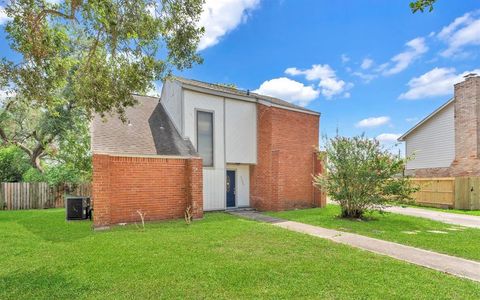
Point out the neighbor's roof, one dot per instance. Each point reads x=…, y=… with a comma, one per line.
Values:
x=419, y=124
x=241, y=93
x=148, y=131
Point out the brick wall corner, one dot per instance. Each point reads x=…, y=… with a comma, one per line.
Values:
x=194, y=180
x=101, y=191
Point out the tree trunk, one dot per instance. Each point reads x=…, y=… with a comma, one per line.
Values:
x=35, y=162
x=352, y=213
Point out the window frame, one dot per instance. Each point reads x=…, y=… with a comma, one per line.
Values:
x=212, y=112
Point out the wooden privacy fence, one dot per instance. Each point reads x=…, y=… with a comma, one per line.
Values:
x=467, y=193
x=36, y=195
x=453, y=192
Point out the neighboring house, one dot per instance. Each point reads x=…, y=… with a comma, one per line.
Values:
x=447, y=142
x=206, y=146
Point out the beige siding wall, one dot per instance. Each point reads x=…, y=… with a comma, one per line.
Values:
x=433, y=143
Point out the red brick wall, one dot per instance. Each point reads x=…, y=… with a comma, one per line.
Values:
x=320, y=199
x=282, y=177
x=467, y=128
x=429, y=172
x=159, y=187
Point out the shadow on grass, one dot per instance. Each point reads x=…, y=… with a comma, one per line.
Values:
x=41, y=284
x=50, y=225
x=369, y=217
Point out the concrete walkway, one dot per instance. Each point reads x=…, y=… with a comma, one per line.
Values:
x=441, y=262
x=445, y=217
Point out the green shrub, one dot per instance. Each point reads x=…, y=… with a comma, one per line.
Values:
x=55, y=174
x=34, y=175
x=13, y=163
x=362, y=176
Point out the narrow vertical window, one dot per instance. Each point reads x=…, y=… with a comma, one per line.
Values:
x=205, y=137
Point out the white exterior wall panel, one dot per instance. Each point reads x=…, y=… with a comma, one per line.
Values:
x=213, y=177
x=242, y=184
x=172, y=102
x=432, y=145
x=240, y=131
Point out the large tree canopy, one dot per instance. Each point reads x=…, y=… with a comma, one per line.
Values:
x=96, y=53
x=80, y=57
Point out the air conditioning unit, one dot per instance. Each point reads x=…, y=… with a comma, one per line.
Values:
x=78, y=208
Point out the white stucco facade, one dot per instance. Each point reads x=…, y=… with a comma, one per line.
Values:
x=234, y=139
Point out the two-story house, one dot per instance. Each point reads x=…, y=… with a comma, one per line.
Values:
x=447, y=142
x=206, y=146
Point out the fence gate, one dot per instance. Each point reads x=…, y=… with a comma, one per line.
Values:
x=467, y=193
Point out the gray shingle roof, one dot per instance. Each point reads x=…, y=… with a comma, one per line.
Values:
x=234, y=91
x=149, y=131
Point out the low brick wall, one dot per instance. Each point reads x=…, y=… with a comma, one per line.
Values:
x=428, y=172
x=160, y=187
x=459, y=168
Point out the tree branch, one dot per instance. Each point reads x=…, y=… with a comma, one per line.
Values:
x=7, y=141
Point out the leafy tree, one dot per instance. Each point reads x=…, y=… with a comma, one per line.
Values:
x=34, y=175
x=38, y=131
x=54, y=175
x=362, y=176
x=13, y=164
x=95, y=54
x=77, y=57
x=421, y=5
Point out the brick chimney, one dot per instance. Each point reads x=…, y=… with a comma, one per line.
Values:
x=467, y=127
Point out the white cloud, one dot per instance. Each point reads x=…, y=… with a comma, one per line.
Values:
x=329, y=84
x=156, y=89
x=436, y=82
x=345, y=58
x=388, y=137
x=401, y=61
x=463, y=31
x=373, y=122
x=6, y=93
x=3, y=95
x=222, y=16
x=3, y=16
x=366, y=77
x=366, y=63
x=289, y=90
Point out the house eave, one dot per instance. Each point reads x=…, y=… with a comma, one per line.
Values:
x=267, y=103
x=253, y=98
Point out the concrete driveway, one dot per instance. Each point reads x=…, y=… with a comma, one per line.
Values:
x=445, y=217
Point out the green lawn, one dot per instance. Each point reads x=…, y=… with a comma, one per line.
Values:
x=446, y=238
x=221, y=256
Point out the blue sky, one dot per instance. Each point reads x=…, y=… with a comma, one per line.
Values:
x=368, y=66
x=353, y=40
